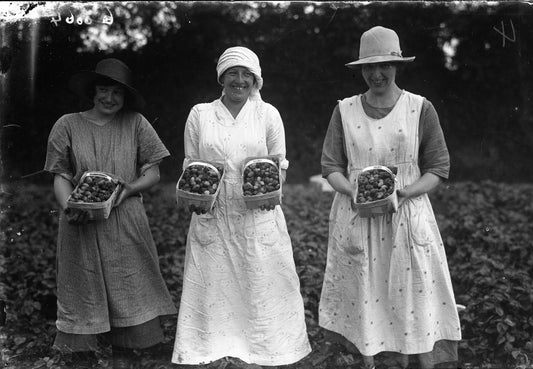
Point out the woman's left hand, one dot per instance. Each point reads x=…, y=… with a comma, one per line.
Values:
x=283, y=175
x=76, y=216
x=403, y=195
x=147, y=179
x=125, y=192
x=423, y=185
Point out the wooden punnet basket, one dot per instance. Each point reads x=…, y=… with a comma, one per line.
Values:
x=96, y=210
x=267, y=199
x=379, y=207
x=200, y=201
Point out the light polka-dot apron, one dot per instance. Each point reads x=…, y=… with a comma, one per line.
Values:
x=387, y=286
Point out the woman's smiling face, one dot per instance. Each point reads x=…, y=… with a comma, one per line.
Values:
x=238, y=83
x=108, y=100
x=379, y=76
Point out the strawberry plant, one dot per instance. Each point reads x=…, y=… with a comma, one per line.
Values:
x=487, y=231
x=485, y=226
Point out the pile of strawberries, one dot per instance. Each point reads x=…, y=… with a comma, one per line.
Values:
x=373, y=185
x=94, y=189
x=200, y=179
x=260, y=178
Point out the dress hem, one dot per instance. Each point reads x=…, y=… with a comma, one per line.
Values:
x=287, y=360
x=126, y=322
x=446, y=336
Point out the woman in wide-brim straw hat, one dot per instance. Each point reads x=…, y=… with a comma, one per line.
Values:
x=241, y=294
x=387, y=287
x=108, y=277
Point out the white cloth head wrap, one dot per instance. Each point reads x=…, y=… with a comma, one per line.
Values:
x=239, y=56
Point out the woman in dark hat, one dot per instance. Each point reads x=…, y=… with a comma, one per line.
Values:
x=387, y=287
x=108, y=276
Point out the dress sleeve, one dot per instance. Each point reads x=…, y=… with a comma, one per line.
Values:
x=150, y=149
x=334, y=158
x=275, y=137
x=433, y=153
x=191, y=136
x=59, y=151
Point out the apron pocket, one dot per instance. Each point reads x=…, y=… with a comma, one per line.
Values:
x=420, y=229
x=348, y=236
x=205, y=230
x=261, y=225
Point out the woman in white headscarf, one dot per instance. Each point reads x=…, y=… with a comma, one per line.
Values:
x=241, y=294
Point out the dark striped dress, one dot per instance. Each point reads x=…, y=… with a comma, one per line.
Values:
x=107, y=271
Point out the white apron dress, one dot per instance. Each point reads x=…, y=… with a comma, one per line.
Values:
x=387, y=286
x=241, y=293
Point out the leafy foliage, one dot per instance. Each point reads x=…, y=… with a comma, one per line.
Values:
x=485, y=226
x=487, y=230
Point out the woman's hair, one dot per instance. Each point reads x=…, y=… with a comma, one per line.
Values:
x=399, y=66
x=105, y=81
x=222, y=76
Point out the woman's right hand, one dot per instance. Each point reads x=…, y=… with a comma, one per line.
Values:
x=267, y=207
x=352, y=197
x=341, y=184
x=76, y=216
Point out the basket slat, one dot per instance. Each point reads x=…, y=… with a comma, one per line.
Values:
x=267, y=199
x=201, y=201
x=378, y=207
x=95, y=210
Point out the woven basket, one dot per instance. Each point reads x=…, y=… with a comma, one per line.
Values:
x=380, y=207
x=200, y=201
x=267, y=199
x=96, y=210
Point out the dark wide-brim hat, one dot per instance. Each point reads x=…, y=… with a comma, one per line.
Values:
x=114, y=70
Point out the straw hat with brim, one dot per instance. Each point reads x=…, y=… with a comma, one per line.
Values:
x=113, y=69
x=379, y=45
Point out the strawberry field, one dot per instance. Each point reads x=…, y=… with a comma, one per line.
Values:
x=486, y=227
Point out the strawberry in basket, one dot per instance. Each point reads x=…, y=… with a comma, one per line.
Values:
x=200, y=179
x=373, y=185
x=94, y=189
x=260, y=178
